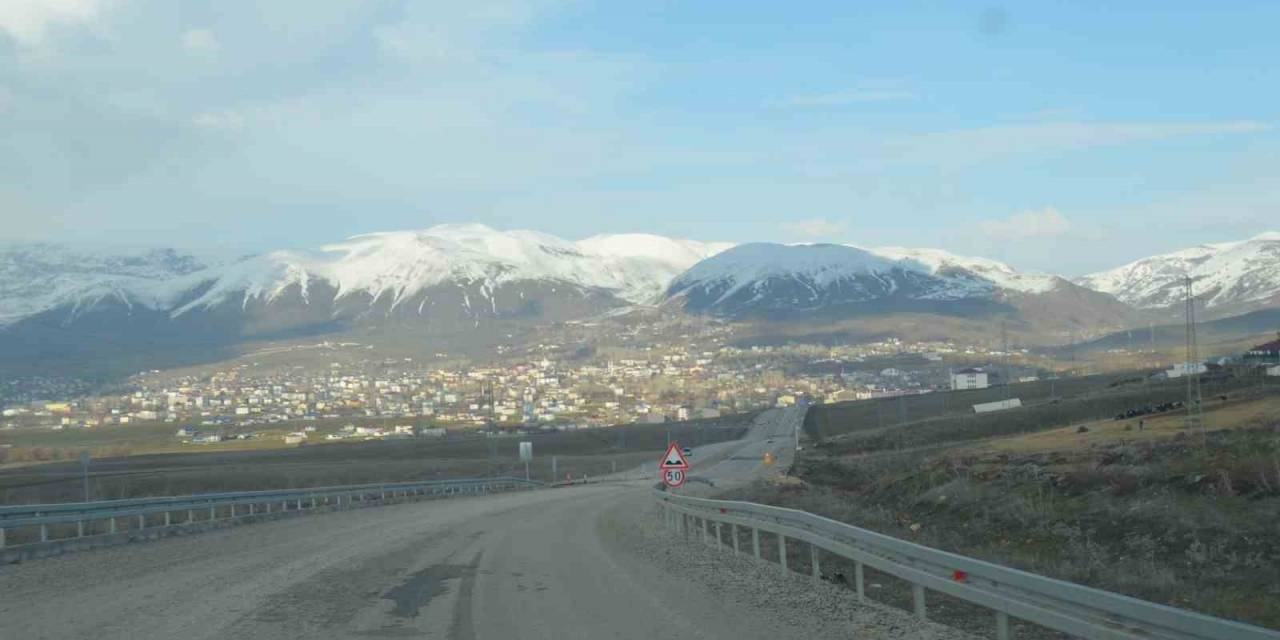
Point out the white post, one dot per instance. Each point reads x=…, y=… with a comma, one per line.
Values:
x=167, y=518
x=755, y=542
x=858, y=583
x=813, y=560
x=1002, y=625
x=719, y=540
x=734, y=531
x=80, y=528
x=142, y=522
x=782, y=553
x=1, y=537
x=44, y=533
x=191, y=516
x=917, y=597
x=113, y=525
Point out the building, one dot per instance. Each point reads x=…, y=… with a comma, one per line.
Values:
x=1185, y=369
x=969, y=379
x=1266, y=353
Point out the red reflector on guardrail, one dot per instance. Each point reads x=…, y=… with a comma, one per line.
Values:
x=959, y=576
x=723, y=510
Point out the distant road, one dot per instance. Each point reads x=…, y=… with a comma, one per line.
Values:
x=543, y=564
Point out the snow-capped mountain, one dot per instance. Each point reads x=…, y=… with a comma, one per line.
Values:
x=1230, y=277
x=387, y=269
x=773, y=281
x=983, y=274
x=39, y=277
x=763, y=278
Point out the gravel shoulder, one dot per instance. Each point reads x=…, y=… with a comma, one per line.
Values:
x=791, y=607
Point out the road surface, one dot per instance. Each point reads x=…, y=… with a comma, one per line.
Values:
x=583, y=562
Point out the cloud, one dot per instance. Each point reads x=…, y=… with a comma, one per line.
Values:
x=815, y=227
x=230, y=121
x=200, y=42
x=29, y=21
x=850, y=96
x=1023, y=225
x=983, y=143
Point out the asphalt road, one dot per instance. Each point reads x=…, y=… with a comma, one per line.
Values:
x=579, y=562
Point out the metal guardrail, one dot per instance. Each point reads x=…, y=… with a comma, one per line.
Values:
x=1073, y=609
x=223, y=506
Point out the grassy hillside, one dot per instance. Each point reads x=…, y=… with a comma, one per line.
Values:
x=1155, y=511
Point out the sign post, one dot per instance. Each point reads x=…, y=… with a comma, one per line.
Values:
x=526, y=456
x=673, y=466
x=84, y=470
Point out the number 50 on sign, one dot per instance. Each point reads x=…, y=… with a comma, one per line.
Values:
x=673, y=477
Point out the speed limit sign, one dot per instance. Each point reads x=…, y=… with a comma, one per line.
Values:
x=673, y=477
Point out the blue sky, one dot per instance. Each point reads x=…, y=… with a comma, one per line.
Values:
x=1064, y=137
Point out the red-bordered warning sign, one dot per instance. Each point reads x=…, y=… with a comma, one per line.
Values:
x=674, y=458
x=673, y=477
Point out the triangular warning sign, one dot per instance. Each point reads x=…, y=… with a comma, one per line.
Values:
x=674, y=458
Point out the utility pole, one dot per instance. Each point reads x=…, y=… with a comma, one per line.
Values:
x=1194, y=418
x=1004, y=348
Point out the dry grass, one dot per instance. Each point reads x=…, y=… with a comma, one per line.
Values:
x=1231, y=414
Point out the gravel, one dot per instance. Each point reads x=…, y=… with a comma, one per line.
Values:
x=820, y=610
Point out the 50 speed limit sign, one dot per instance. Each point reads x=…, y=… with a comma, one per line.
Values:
x=673, y=466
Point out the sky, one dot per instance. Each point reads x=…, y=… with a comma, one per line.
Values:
x=1058, y=137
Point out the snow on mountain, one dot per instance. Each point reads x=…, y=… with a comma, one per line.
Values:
x=775, y=277
x=41, y=276
x=1229, y=276
x=641, y=266
x=397, y=266
x=981, y=273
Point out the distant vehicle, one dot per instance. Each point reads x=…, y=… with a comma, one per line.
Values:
x=687, y=451
x=769, y=441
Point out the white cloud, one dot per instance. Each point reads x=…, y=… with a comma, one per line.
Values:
x=29, y=21
x=983, y=143
x=850, y=96
x=1046, y=222
x=815, y=227
x=200, y=42
x=219, y=120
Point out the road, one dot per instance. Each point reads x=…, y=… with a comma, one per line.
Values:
x=580, y=562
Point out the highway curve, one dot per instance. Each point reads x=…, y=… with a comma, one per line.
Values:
x=581, y=562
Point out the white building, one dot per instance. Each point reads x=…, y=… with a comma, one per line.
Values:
x=969, y=379
x=1185, y=368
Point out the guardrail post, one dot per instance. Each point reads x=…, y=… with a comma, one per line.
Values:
x=706, y=531
x=213, y=513
x=299, y=504
x=191, y=516
x=755, y=541
x=719, y=539
x=1, y=537
x=167, y=518
x=813, y=561
x=782, y=553
x=858, y=583
x=917, y=598
x=44, y=533
x=252, y=508
x=142, y=522
x=1002, y=625
x=113, y=525
x=79, y=528
x=733, y=528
